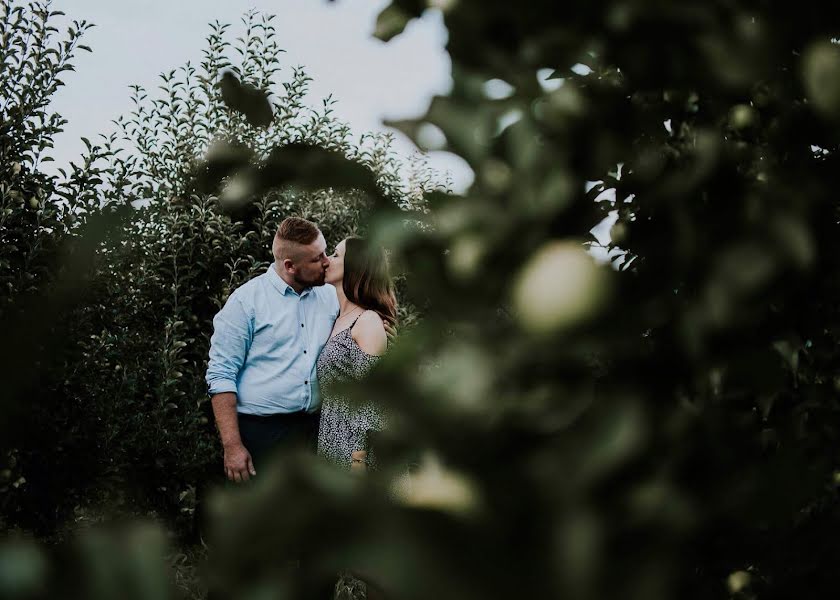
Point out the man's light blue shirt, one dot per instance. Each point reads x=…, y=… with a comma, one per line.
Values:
x=266, y=340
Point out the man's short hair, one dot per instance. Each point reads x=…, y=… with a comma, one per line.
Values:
x=291, y=233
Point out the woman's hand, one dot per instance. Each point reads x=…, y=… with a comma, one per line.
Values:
x=358, y=461
x=390, y=331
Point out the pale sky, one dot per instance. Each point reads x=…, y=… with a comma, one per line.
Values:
x=133, y=42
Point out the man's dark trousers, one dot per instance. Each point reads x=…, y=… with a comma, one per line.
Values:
x=263, y=436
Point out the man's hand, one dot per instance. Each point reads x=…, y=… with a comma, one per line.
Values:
x=238, y=464
x=390, y=331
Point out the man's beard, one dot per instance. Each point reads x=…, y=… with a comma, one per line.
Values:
x=302, y=281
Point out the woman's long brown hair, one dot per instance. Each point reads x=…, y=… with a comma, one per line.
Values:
x=367, y=280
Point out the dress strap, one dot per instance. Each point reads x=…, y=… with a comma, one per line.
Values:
x=353, y=324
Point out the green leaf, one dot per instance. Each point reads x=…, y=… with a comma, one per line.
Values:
x=315, y=168
x=247, y=100
x=391, y=22
x=821, y=74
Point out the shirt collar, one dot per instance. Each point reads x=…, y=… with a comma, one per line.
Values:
x=280, y=285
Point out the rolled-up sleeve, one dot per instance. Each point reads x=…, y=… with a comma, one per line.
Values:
x=229, y=345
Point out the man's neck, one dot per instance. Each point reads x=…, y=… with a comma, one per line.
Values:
x=288, y=279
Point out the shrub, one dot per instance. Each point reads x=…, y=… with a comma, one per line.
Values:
x=30, y=220
x=42, y=262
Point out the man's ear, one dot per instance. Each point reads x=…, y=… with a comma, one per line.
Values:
x=288, y=265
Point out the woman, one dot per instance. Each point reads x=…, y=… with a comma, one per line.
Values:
x=366, y=298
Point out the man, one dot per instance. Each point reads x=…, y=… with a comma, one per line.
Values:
x=266, y=340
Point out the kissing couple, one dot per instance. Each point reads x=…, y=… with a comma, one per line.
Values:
x=282, y=339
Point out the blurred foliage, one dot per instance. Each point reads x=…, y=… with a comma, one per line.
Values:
x=663, y=428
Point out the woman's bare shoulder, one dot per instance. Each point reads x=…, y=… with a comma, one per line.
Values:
x=369, y=333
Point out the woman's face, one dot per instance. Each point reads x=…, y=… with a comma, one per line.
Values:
x=335, y=272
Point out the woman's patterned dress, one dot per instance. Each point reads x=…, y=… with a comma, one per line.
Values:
x=344, y=427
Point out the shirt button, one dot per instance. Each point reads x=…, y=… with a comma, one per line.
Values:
x=301, y=324
x=306, y=383
x=304, y=351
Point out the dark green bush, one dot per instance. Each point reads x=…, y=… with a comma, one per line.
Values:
x=40, y=258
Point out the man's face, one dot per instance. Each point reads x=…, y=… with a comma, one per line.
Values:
x=312, y=263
